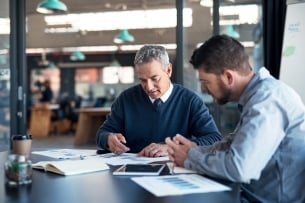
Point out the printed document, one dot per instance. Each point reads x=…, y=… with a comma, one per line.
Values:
x=66, y=153
x=178, y=184
x=130, y=158
x=109, y=158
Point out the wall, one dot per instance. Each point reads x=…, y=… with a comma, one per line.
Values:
x=292, y=65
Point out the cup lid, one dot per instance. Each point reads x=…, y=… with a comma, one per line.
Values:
x=22, y=137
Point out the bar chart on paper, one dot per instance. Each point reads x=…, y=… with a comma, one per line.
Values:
x=179, y=184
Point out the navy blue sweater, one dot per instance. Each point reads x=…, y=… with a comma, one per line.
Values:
x=133, y=115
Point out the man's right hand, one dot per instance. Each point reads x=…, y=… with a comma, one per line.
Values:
x=116, y=143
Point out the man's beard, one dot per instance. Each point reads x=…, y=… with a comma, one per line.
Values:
x=225, y=94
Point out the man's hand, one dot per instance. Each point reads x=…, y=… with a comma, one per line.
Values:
x=116, y=143
x=154, y=150
x=178, y=148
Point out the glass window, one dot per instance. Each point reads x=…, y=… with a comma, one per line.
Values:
x=102, y=83
x=114, y=75
x=4, y=76
x=239, y=19
x=243, y=22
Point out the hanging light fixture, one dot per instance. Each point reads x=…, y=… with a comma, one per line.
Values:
x=51, y=65
x=77, y=56
x=123, y=36
x=43, y=62
x=51, y=7
x=230, y=31
x=115, y=63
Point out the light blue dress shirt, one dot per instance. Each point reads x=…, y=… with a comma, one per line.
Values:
x=266, y=151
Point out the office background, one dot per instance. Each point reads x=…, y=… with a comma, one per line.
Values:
x=33, y=47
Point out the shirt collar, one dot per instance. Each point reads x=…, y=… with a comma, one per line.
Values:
x=166, y=95
x=261, y=74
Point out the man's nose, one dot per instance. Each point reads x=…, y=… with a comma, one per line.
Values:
x=149, y=85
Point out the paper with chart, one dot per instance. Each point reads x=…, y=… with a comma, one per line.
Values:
x=109, y=158
x=66, y=153
x=129, y=158
x=179, y=184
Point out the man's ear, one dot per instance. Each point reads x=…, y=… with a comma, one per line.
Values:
x=169, y=70
x=228, y=76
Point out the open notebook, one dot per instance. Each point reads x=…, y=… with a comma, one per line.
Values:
x=71, y=167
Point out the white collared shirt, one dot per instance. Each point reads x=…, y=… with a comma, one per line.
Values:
x=166, y=95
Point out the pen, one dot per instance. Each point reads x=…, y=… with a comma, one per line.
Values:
x=84, y=156
x=109, y=155
x=171, y=167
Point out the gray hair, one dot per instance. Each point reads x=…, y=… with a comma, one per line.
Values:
x=152, y=52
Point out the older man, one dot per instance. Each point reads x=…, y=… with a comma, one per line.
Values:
x=145, y=114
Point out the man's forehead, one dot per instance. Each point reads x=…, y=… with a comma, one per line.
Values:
x=204, y=74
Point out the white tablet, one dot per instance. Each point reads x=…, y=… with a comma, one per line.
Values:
x=139, y=169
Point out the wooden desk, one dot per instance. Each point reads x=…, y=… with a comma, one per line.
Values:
x=89, y=121
x=40, y=121
x=96, y=187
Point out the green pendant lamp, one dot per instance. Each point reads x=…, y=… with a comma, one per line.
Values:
x=114, y=63
x=51, y=65
x=229, y=30
x=77, y=56
x=51, y=7
x=123, y=36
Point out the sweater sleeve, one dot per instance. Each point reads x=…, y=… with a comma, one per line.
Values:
x=113, y=123
x=203, y=128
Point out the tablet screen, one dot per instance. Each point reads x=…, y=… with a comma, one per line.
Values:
x=139, y=169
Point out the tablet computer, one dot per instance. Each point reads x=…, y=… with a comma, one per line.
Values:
x=139, y=169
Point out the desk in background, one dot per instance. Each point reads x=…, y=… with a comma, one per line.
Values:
x=89, y=121
x=40, y=119
x=96, y=187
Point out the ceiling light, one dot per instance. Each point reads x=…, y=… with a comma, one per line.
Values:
x=206, y=3
x=131, y=19
x=77, y=56
x=51, y=7
x=123, y=36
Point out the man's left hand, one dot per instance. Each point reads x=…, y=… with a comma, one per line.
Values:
x=154, y=150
